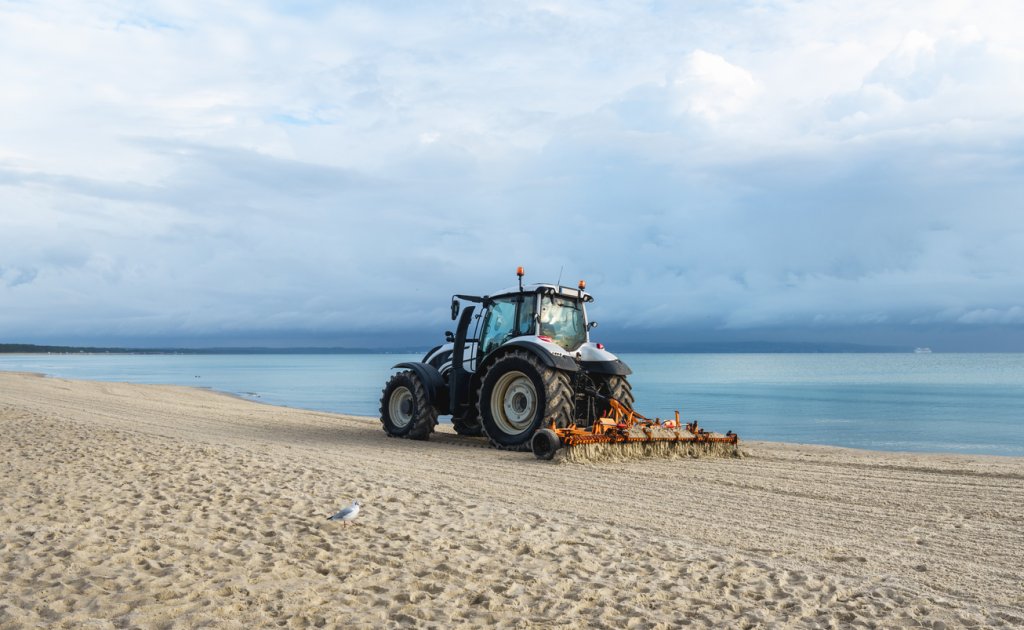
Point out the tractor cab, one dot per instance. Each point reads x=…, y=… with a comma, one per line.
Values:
x=552, y=314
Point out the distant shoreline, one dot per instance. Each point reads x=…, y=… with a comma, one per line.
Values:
x=35, y=349
x=753, y=347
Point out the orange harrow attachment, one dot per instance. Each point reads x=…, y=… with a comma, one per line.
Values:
x=629, y=435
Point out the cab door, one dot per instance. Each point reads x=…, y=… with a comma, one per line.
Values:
x=498, y=326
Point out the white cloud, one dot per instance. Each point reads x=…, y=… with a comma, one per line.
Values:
x=710, y=87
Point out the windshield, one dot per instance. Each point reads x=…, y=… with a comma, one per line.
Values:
x=562, y=320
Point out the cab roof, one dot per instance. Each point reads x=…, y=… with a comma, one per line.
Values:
x=568, y=292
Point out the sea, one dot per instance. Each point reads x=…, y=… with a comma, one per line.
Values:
x=955, y=403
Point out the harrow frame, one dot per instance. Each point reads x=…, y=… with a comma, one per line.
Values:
x=627, y=427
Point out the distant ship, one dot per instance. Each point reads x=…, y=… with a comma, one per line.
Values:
x=922, y=350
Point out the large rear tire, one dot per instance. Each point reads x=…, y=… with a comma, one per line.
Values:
x=405, y=409
x=518, y=395
x=616, y=387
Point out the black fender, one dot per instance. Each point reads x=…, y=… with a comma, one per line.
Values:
x=613, y=368
x=565, y=363
x=430, y=352
x=429, y=375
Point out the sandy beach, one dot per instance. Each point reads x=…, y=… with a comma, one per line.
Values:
x=143, y=506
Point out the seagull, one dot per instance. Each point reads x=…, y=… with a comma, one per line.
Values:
x=346, y=514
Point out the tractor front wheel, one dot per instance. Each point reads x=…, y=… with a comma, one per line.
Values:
x=405, y=409
x=518, y=395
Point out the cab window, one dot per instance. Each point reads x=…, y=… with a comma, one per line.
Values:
x=498, y=324
x=504, y=320
x=562, y=320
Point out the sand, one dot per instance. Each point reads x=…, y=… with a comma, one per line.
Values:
x=170, y=507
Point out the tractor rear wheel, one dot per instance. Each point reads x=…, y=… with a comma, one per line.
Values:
x=616, y=387
x=518, y=395
x=405, y=409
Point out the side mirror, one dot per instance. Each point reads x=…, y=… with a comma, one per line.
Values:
x=591, y=325
x=455, y=309
x=449, y=336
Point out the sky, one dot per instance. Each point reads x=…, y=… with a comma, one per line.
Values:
x=330, y=173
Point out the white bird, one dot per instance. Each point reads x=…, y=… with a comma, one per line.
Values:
x=346, y=514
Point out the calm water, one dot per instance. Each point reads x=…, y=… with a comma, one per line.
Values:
x=969, y=403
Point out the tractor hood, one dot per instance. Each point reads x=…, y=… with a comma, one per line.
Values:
x=589, y=352
x=590, y=357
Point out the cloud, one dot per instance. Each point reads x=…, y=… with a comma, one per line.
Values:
x=15, y=277
x=930, y=84
x=921, y=65
x=189, y=170
x=710, y=87
x=1012, y=315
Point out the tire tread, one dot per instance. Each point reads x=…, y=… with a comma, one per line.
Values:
x=424, y=415
x=558, y=397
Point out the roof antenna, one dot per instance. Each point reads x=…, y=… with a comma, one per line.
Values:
x=559, y=283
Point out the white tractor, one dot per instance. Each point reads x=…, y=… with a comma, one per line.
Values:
x=529, y=365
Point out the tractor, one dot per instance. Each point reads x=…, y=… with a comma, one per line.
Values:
x=528, y=365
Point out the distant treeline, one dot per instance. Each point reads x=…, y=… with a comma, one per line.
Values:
x=27, y=348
